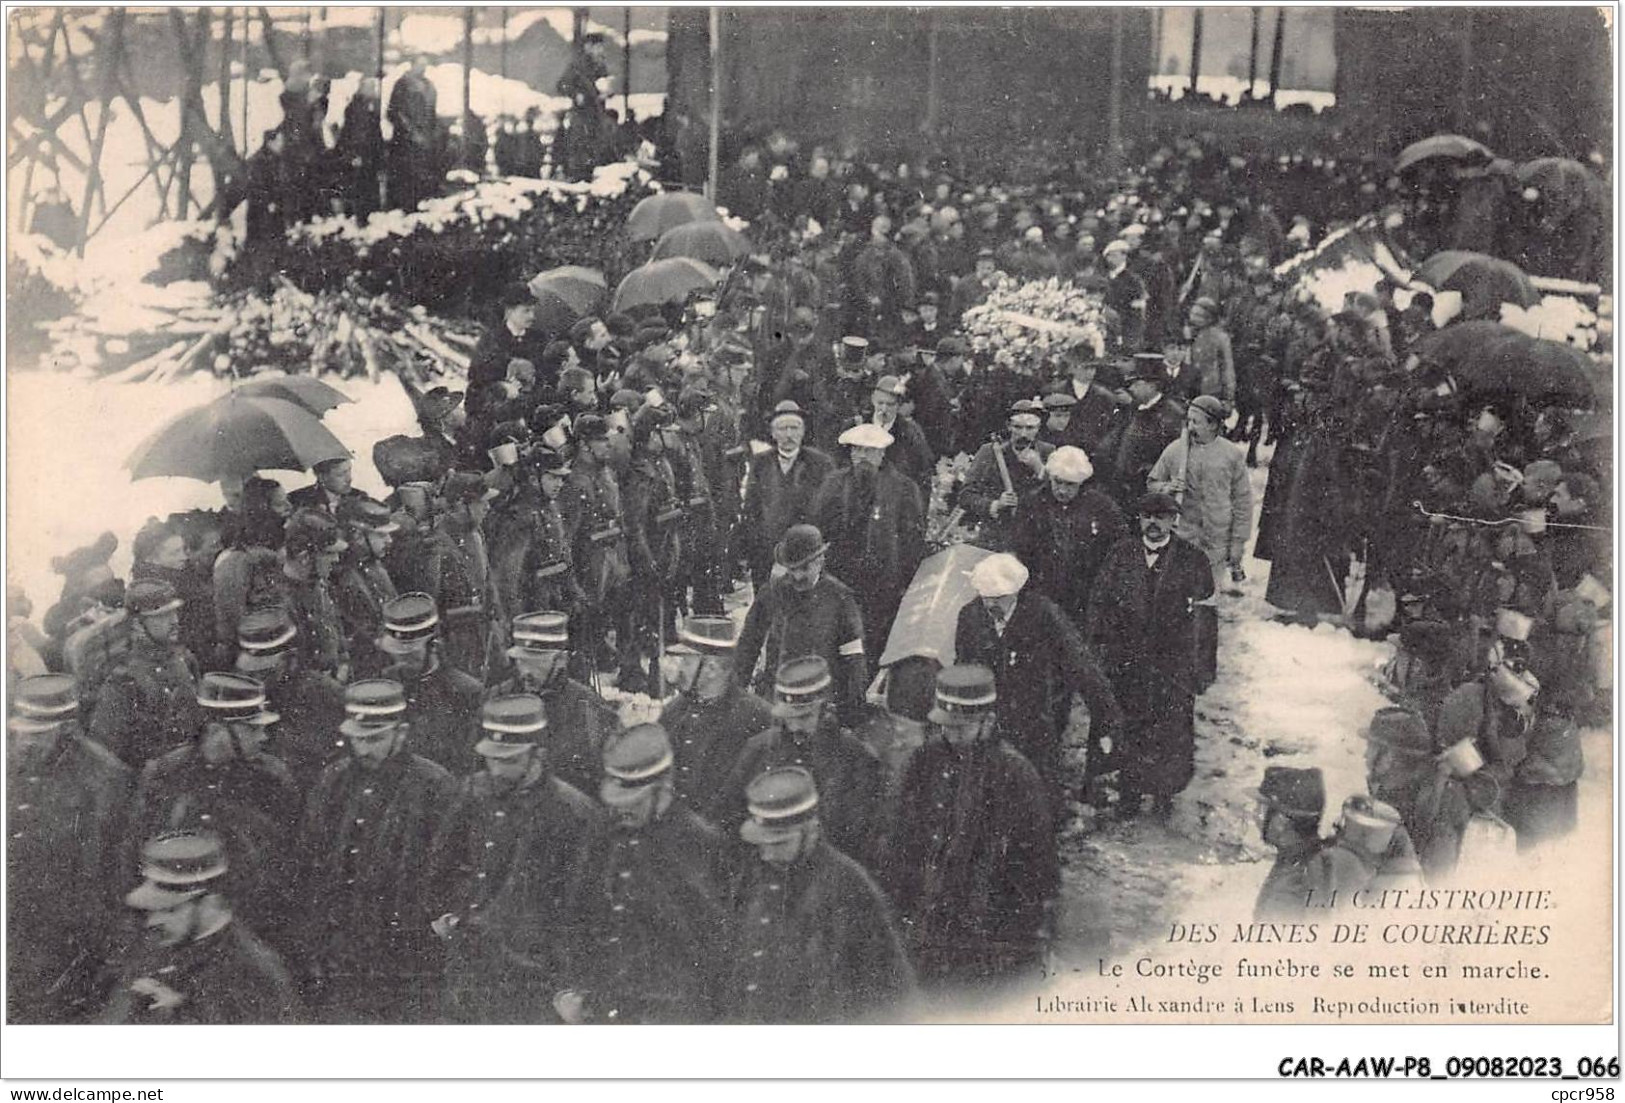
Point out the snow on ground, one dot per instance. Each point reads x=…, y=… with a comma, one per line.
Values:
x=69, y=438
x=1229, y=89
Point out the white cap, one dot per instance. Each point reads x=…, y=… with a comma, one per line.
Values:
x=1069, y=463
x=1134, y=229
x=1034, y=233
x=998, y=575
x=866, y=435
x=1116, y=246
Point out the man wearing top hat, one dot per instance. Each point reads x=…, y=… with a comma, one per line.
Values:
x=145, y=705
x=806, y=611
x=971, y=858
x=309, y=705
x=1039, y=660
x=908, y=452
x=649, y=900
x=779, y=489
x=512, y=811
x=442, y=701
x=198, y=963
x=511, y=337
x=363, y=847
x=842, y=398
x=311, y=551
x=362, y=584
x=578, y=719
x=65, y=802
x=993, y=489
x=713, y=714
x=814, y=939
x=874, y=519
x=228, y=781
x=806, y=732
x=1142, y=623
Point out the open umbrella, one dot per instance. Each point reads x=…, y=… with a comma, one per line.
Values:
x=565, y=294
x=1538, y=369
x=235, y=435
x=658, y=213
x=712, y=242
x=301, y=390
x=1450, y=147
x=664, y=281
x=1485, y=282
x=1454, y=343
x=1562, y=186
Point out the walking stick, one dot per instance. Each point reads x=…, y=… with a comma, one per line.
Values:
x=1184, y=466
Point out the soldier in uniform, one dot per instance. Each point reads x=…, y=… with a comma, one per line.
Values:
x=993, y=490
x=309, y=705
x=814, y=938
x=972, y=861
x=364, y=846
x=650, y=899
x=65, y=801
x=703, y=503
x=653, y=514
x=145, y=705
x=579, y=720
x=779, y=489
x=530, y=558
x=311, y=552
x=362, y=583
x=514, y=809
x=806, y=612
x=713, y=714
x=463, y=591
x=591, y=508
x=805, y=732
x=199, y=964
x=442, y=701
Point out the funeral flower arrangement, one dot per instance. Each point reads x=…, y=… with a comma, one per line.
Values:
x=1027, y=322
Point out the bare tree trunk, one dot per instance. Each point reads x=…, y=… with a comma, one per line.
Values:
x=1196, y=47
x=468, y=65
x=1275, y=55
x=1252, y=53
x=716, y=105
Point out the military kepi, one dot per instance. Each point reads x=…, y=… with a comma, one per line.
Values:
x=800, y=686
x=779, y=802
x=177, y=866
x=509, y=725
x=964, y=692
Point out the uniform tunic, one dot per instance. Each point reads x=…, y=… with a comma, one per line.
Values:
x=148, y=703
x=707, y=738
x=785, y=623
x=227, y=978
x=443, y=707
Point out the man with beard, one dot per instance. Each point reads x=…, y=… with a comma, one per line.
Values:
x=649, y=899
x=814, y=938
x=806, y=732
x=805, y=611
x=364, y=847
x=1004, y=471
x=199, y=964
x=908, y=452
x=578, y=718
x=145, y=705
x=1065, y=530
x=513, y=810
x=226, y=782
x=362, y=583
x=1039, y=660
x=442, y=702
x=874, y=519
x=971, y=861
x=65, y=801
x=779, y=489
x=1154, y=421
x=311, y=552
x=1143, y=624
x=713, y=714
x=309, y=705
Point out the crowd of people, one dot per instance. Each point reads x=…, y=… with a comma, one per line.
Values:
x=364, y=755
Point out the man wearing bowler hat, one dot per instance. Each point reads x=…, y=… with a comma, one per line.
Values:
x=806, y=611
x=650, y=903
x=442, y=701
x=806, y=732
x=310, y=705
x=971, y=860
x=227, y=780
x=779, y=489
x=364, y=847
x=1143, y=623
x=145, y=705
x=814, y=939
x=713, y=714
x=65, y=803
x=512, y=812
x=198, y=963
x=578, y=719
x=874, y=520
